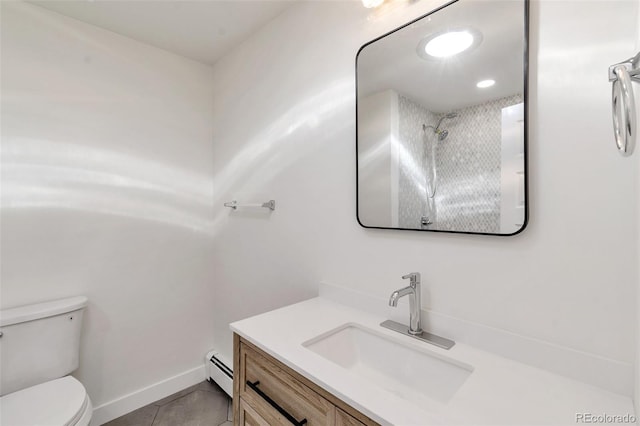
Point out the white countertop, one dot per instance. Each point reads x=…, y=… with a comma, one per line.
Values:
x=499, y=391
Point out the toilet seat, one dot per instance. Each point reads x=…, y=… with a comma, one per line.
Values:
x=59, y=402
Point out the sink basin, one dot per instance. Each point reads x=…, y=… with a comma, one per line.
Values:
x=421, y=376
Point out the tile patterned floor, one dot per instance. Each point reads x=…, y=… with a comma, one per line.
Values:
x=199, y=405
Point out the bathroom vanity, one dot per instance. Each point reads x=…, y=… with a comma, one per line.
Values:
x=331, y=364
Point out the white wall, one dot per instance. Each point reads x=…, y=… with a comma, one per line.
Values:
x=285, y=126
x=636, y=399
x=378, y=191
x=106, y=192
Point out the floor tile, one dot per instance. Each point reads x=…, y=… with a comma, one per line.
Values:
x=199, y=408
x=210, y=387
x=177, y=395
x=141, y=417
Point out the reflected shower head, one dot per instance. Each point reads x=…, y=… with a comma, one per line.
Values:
x=449, y=116
x=442, y=134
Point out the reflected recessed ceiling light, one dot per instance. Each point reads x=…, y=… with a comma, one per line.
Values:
x=449, y=44
x=446, y=44
x=372, y=3
x=485, y=83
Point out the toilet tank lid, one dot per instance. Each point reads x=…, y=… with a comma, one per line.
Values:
x=41, y=310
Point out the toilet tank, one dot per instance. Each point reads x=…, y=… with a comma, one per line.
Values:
x=39, y=342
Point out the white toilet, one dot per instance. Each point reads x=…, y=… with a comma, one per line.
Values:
x=39, y=346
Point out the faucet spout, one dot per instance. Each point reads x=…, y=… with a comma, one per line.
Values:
x=393, y=300
x=413, y=291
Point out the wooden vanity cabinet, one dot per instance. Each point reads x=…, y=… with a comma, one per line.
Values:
x=268, y=393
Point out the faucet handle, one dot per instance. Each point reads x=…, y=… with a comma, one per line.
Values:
x=414, y=278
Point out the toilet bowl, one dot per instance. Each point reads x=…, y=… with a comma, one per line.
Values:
x=39, y=347
x=59, y=402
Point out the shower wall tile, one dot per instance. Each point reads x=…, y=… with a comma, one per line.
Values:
x=413, y=175
x=468, y=164
x=467, y=191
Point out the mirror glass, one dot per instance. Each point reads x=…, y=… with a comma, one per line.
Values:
x=441, y=122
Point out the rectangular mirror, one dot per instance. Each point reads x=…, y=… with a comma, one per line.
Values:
x=441, y=122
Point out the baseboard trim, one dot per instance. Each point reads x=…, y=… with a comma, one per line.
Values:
x=612, y=375
x=127, y=403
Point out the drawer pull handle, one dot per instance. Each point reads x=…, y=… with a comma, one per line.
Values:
x=271, y=402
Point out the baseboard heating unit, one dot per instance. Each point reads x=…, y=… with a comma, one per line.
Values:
x=219, y=371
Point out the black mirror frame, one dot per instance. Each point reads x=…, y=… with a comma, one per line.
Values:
x=526, y=127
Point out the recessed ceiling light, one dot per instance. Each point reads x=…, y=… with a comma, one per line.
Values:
x=372, y=3
x=485, y=83
x=449, y=44
x=445, y=44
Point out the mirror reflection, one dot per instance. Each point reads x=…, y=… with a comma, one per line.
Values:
x=441, y=122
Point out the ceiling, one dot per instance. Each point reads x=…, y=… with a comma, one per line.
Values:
x=450, y=84
x=202, y=30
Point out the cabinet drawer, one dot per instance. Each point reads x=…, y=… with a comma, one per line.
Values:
x=249, y=417
x=278, y=397
x=343, y=419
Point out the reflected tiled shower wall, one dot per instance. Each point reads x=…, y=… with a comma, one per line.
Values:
x=467, y=195
x=468, y=162
x=413, y=173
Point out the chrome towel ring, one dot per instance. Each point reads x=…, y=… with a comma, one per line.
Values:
x=623, y=103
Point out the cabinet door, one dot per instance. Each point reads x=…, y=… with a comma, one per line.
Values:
x=249, y=417
x=343, y=419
